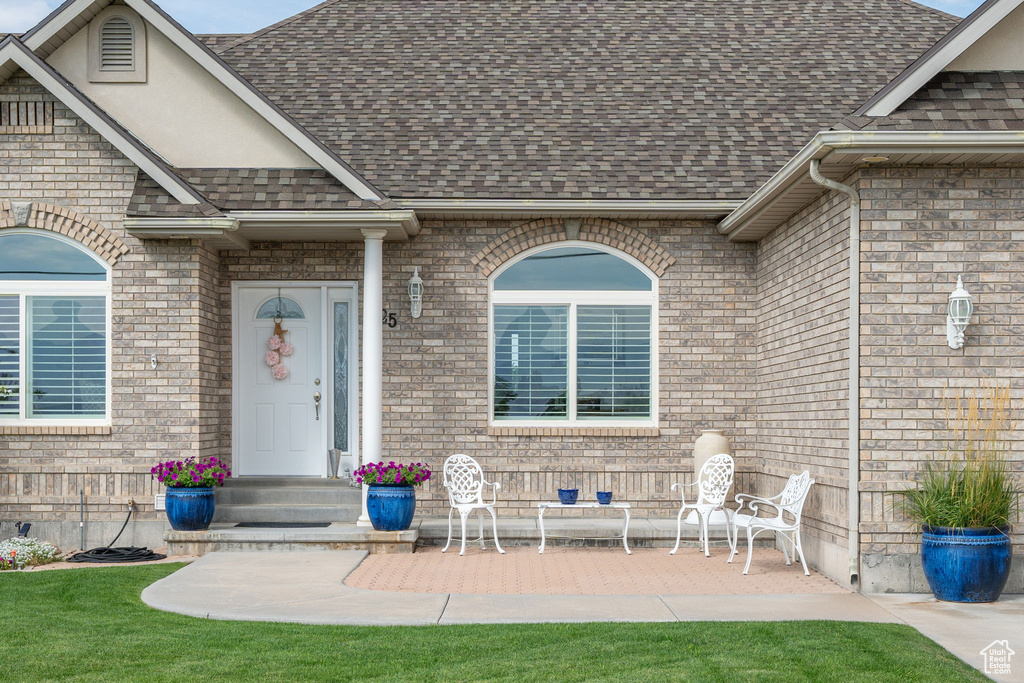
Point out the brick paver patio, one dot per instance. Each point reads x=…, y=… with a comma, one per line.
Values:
x=585, y=571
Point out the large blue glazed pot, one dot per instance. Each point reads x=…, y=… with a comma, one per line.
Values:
x=190, y=509
x=966, y=565
x=390, y=507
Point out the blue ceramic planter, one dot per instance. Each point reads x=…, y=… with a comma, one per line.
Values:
x=391, y=507
x=604, y=497
x=190, y=509
x=966, y=565
x=568, y=496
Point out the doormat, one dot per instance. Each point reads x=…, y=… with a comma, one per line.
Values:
x=284, y=524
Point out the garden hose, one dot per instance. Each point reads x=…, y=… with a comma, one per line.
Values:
x=110, y=555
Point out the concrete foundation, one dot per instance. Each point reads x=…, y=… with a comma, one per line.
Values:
x=903, y=574
x=67, y=535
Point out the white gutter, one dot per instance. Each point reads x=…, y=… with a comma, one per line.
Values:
x=853, y=417
x=572, y=207
x=866, y=143
x=219, y=231
x=357, y=219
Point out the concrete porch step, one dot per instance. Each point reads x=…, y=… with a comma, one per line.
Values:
x=226, y=538
x=284, y=482
x=307, y=495
x=644, y=532
x=285, y=512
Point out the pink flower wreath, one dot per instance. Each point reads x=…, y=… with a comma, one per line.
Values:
x=273, y=359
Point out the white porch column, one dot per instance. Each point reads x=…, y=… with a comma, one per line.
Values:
x=373, y=351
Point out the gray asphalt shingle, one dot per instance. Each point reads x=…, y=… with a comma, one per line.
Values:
x=953, y=100
x=551, y=98
x=248, y=189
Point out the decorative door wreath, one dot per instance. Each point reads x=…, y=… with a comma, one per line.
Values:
x=279, y=349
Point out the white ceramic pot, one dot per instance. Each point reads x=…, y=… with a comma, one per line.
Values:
x=710, y=442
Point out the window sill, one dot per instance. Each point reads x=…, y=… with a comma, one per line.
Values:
x=573, y=431
x=41, y=430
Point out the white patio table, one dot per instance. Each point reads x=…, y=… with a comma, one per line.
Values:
x=543, y=507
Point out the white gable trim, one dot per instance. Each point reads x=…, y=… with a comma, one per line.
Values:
x=14, y=52
x=941, y=55
x=65, y=20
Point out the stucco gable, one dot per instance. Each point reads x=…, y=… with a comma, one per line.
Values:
x=15, y=56
x=193, y=108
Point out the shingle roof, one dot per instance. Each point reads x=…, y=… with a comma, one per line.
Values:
x=551, y=98
x=217, y=42
x=985, y=100
x=249, y=189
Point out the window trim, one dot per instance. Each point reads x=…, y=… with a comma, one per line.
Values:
x=26, y=288
x=573, y=299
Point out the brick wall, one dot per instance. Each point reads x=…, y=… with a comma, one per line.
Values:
x=436, y=384
x=803, y=369
x=164, y=302
x=923, y=226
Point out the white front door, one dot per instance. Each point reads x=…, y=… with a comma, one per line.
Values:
x=283, y=427
x=280, y=433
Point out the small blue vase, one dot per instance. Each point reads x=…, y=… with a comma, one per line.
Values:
x=966, y=565
x=604, y=497
x=190, y=509
x=390, y=507
x=568, y=496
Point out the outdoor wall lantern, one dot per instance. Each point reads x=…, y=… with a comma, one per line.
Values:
x=958, y=315
x=416, y=293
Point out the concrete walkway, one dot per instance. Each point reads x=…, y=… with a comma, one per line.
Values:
x=309, y=588
x=964, y=629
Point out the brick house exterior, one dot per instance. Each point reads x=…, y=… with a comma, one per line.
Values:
x=753, y=326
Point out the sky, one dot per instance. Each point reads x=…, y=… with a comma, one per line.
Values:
x=244, y=16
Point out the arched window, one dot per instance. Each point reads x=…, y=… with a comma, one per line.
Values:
x=573, y=339
x=280, y=306
x=54, y=337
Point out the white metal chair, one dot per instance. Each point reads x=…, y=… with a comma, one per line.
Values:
x=713, y=483
x=785, y=521
x=464, y=480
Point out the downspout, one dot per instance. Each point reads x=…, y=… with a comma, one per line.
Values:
x=854, y=403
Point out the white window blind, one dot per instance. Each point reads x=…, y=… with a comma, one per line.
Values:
x=66, y=356
x=613, y=361
x=531, y=362
x=9, y=356
x=117, y=45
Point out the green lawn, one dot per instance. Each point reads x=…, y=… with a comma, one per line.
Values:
x=89, y=624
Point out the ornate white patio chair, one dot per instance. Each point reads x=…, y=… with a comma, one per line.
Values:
x=713, y=483
x=464, y=480
x=786, y=509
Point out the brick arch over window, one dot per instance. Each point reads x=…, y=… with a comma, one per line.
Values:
x=551, y=230
x=58, y=219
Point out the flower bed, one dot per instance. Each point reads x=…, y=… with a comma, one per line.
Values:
x=18, y=553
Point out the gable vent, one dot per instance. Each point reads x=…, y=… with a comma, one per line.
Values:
x=117, y=45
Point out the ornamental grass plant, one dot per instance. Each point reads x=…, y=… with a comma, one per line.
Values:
x=973, y=487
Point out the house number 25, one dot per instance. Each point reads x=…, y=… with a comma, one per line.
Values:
x=389, y=319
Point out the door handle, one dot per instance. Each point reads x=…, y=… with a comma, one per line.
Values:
x=316, y=403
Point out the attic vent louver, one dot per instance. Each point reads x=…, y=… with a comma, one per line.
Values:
x=117, y=45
